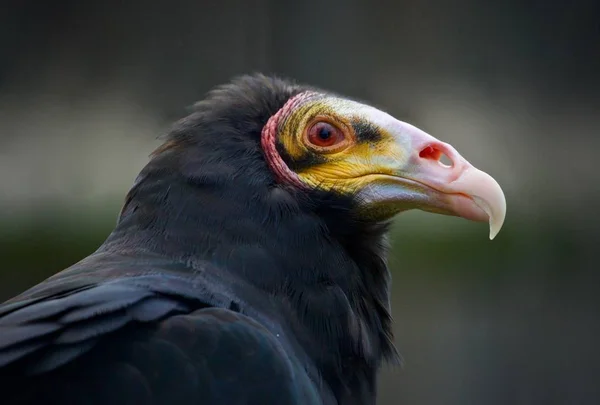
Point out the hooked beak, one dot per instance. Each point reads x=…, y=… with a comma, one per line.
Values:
x=420, y=180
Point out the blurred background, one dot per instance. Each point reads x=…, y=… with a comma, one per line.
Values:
x=86, y=88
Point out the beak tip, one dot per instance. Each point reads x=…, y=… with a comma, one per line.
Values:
x=490, y=200
x=497, y=218
x=495, y=227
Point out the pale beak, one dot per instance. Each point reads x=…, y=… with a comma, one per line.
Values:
x=422, y=181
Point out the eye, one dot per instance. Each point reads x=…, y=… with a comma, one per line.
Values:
x=325, y=135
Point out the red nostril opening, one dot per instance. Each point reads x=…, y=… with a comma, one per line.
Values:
x=432, y=153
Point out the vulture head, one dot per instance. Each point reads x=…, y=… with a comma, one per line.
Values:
x=325, y=142
x=264, y=131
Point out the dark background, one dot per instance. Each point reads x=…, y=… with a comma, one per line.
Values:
x=85, y=89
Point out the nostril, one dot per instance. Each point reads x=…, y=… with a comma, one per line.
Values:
x=429, y=152
x=433, y=153
x=445, y=160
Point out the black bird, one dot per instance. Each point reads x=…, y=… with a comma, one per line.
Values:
x=248, y=264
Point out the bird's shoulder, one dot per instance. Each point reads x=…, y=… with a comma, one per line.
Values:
x=154, y=332
x=66, y=315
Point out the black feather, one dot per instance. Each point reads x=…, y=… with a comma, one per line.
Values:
x=11, y=353
x=100, y=325
x=11, y=335
x=59, y=356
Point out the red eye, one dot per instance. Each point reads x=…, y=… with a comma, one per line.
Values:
x=325, y=135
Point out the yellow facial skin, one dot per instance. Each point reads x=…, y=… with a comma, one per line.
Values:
x=388, y=165
x=344, y=171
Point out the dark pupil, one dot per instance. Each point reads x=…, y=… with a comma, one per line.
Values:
x=324, y=133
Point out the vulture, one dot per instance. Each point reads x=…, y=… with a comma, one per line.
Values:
x=248, y=262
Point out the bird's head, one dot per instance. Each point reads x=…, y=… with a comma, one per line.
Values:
x=259, y=133
x=323, y=141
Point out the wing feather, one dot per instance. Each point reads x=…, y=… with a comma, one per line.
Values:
x=154, y=336
x=66, y=326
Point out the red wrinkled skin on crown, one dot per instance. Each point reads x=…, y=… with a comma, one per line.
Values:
x=269, y=141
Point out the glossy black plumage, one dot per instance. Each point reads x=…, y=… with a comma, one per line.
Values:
x=217, y=286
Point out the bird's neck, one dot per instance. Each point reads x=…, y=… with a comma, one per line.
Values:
x=327, y=272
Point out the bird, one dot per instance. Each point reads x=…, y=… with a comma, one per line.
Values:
x=248, y=264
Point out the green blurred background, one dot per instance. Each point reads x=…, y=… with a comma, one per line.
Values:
x=85, y=89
